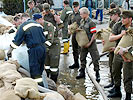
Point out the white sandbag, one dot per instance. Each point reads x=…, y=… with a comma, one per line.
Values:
x=21, y=55
x=6, y=40
x=5, y=22
x=9, y=95
x=27, y=88
x=53, y=96
x=78, y=96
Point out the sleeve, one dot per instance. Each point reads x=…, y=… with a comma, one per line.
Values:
x=19, y=38
x=92, y=27
x=63, y=15
x=115, y=28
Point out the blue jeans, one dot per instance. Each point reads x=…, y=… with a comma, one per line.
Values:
x=90, y=9
x=101, y=14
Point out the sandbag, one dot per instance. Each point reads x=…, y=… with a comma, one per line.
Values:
x=104, y=34
x=2, y=54
x=78, y=96
x=72, y=28
x=81, y=37
x=3, y=28
x=65, y=92
x=9, y=95
x=126, y=41
x=27, y=88
x=53, y=96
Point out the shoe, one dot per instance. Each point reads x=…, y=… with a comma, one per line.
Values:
x=66, y=48
x=128, y=96
x=116, y=93
x=81, y=74
x=97, y=76
x=75, y=65
x=110, y=85
x=112, y=90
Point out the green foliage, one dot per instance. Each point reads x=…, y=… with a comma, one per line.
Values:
x=11, y=7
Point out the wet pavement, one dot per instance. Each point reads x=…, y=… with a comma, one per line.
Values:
x=85, y=86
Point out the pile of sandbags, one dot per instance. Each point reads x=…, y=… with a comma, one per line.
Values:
x=103, y=34
x=126, y=41
x=9, y=18
x=81, y=37
x=68, y=95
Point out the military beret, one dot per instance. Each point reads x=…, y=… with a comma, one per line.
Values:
x=115, y=11
x=46, y=6
x=127, y=14
x=36, y=16
x=75, y=4
x=30, y=1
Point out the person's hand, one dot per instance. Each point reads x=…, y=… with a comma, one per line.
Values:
x=9, y=53
x=103, y=42
x=112, y=49
x=122, y=50
x=123, y=32
x=125, y=59
x=87, y=45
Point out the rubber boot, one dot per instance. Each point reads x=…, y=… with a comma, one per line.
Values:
x=66, y=48
x=116, y=93
x=81, y=74
x=128, y=96
x=97, y=76
x=75, y=65
x=54, y=76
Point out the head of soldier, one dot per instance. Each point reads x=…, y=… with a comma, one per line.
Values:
x=46, y=7
x=75, y=6
x=112, y=5
x=84, y=13
x=38, y=18
x=65, y=3
x=127, y=16
x=31, y=4
x=17, y=20
x=115, y=14
x=25, y=17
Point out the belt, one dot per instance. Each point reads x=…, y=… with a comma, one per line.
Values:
x=35, y=45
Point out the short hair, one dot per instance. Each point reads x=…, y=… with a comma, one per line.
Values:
x=66, y=2
x=84, y=10
x=112, y=5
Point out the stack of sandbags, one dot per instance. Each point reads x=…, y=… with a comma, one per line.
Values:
x=81, y=37
x=72, y=28
x=104, y=34
x=9, y=74
x=4, y=29
x=2, y=54
x=68, y=95
x=126, y=41
x=27, y=88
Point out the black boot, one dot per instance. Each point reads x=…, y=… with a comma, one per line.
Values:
x=112, y=90
x=81, y=74
x=54, y=76
x=110, y=85
x=97, y=76
x=75, y=65
x=128, y=96
x=116, y=93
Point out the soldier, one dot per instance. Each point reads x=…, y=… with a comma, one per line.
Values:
x=117, y=32
x=32, y=9
x=75, y=18
x=127, y=71
x=90, y=27
x=52, y=52
x=64, y=17
x=115, y=17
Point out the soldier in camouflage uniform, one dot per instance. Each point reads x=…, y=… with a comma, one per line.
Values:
x=119, y=29
x=115, y=17
x=32, y=9
x=52, y=51
x=90, y=27
x=75, y=17
x=64, y=17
